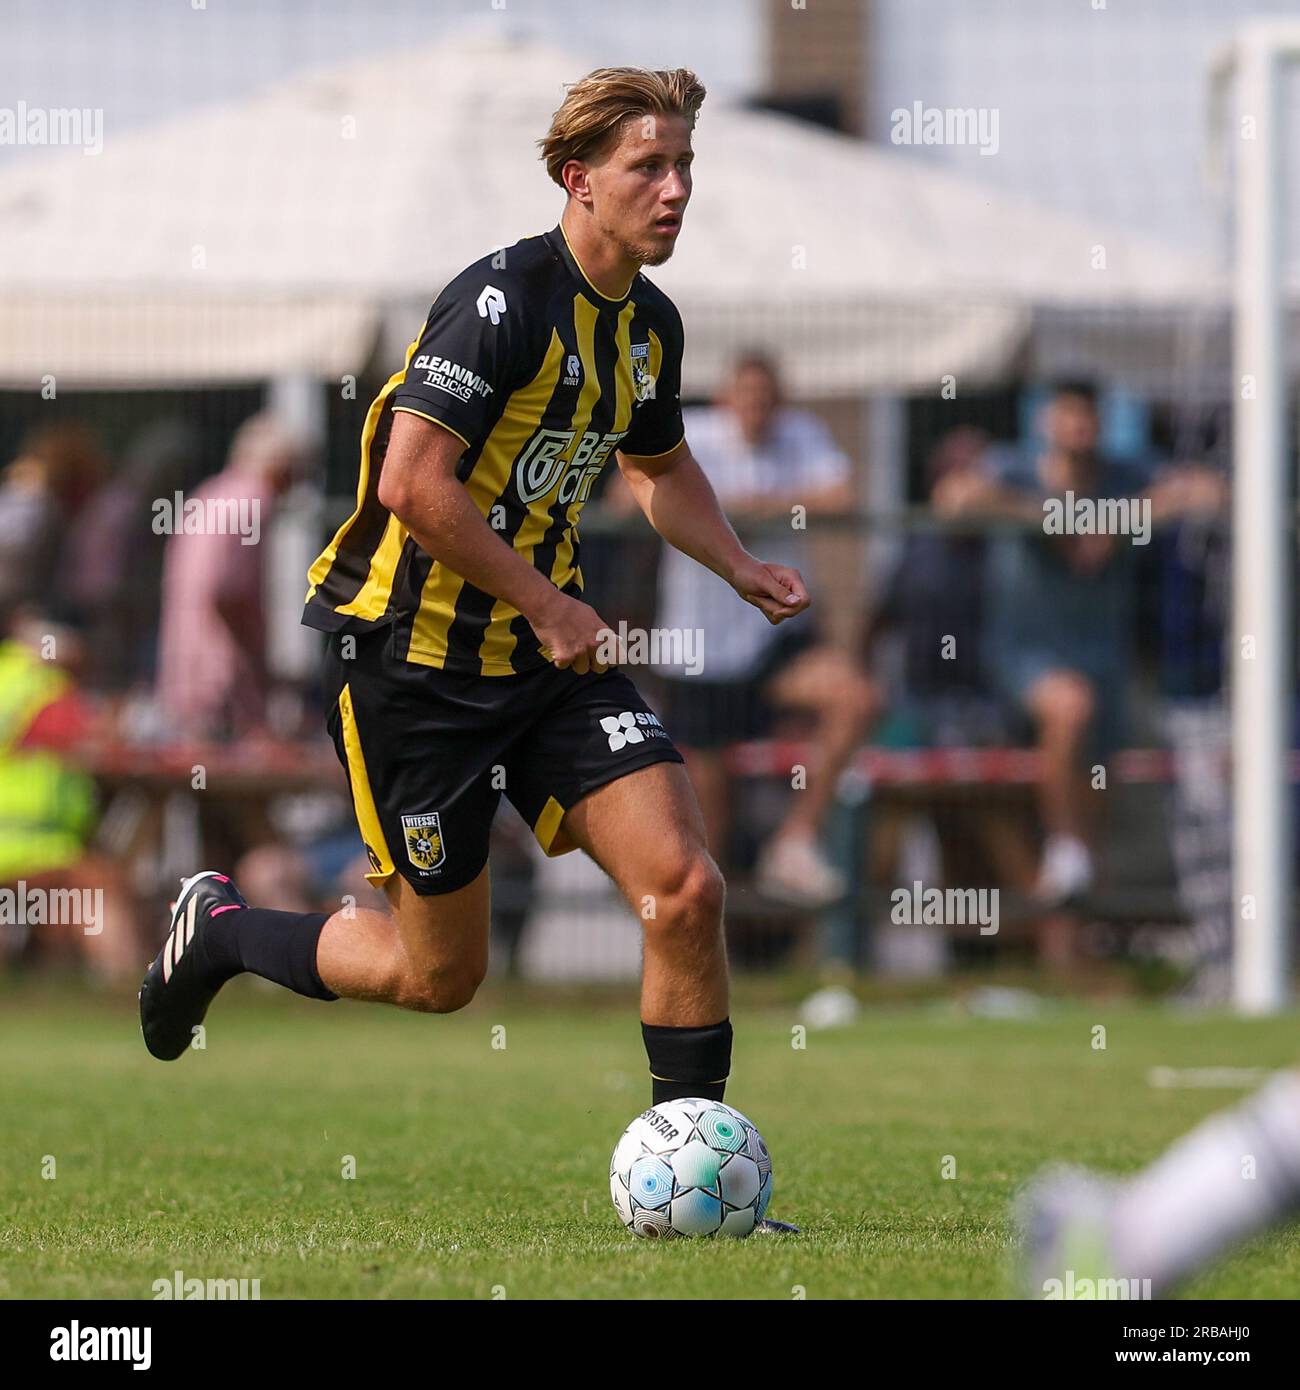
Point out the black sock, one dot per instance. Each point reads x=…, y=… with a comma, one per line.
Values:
x=278, y=946
x=688, y=1061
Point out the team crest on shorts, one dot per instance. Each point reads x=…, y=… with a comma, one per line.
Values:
x=424, y=844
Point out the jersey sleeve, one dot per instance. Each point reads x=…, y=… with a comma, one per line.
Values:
x=466, y=359
x=657, y=425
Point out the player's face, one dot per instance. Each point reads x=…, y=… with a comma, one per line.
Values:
x=640, y=190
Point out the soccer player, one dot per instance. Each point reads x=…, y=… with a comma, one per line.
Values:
x=1235, y=1175
x=463, y=661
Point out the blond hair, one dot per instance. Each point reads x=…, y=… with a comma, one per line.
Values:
x=595, y=107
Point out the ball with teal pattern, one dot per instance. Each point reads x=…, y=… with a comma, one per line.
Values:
x=690, y=1168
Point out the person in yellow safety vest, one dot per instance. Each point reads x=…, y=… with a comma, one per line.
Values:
x=46, y=805
x=58, y=899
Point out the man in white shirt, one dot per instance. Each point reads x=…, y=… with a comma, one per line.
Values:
x=764, y=460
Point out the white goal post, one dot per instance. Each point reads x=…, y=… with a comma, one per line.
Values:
x=1263, y=537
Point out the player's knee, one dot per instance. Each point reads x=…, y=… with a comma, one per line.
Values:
x=691, y=895
x=857, y=700
x=1067, y=701
x=439, y=991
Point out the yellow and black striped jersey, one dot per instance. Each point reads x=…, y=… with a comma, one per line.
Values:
x=542, y=376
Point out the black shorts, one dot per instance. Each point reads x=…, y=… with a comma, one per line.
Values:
x=428, y=754
x=712, y=714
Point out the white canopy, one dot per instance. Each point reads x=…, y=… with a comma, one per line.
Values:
x=278, y=235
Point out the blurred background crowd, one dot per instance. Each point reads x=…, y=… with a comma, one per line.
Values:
x=144, y=722
x=974, y=701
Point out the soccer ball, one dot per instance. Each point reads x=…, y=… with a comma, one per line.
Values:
x=690, y=1168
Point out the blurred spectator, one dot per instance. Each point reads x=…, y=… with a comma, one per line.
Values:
x=61, y=898
x=42, y=490
x=933, y=601
x=763, y=460
x=212, y=674
x=314, y=877
x=116, y=555
x=1060, y=606
x=933, y=608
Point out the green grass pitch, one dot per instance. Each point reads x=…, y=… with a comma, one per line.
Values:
x=481, y=1170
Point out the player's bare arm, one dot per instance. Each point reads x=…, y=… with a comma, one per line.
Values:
x=419, y=486
x=679, y=502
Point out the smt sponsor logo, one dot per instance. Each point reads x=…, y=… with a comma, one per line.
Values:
x=444, y=375
x=550, y=462
x=632, y=726
x=77, y=1343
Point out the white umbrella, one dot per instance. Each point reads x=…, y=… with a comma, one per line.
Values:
x=276, y=234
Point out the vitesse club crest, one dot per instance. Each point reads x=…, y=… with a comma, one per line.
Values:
x=424, y=846
x=643, y=384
